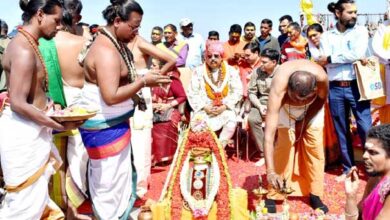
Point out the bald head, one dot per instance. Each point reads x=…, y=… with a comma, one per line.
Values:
x=302, y=83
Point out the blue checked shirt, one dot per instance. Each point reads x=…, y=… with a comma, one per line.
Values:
x=344, y=49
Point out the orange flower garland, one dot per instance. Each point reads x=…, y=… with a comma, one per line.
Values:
x=300, y=45
x=217, y=96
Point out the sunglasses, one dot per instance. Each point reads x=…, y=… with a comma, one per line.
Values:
x=216, y=56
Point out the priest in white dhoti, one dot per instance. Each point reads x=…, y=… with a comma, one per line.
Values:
x=214, y=91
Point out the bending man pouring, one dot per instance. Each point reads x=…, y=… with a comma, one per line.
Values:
x=295, y=110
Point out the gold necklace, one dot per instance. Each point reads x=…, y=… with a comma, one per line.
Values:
x=300, y=118
x=34, y=44
x=128, y=58
x=220, y=78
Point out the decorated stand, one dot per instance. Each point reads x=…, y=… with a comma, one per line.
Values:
x=199, y=185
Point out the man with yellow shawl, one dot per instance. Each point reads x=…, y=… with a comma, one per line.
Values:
x=381, y=48
x=172, y=46
x=295, y=109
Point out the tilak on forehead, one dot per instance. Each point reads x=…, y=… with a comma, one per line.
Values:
x=353, y=7
x=214, y=47
x=368, y=145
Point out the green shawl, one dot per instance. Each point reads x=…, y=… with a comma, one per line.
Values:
x=49, y=53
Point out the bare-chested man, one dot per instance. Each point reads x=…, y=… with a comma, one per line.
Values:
x=66, y=78
x=111, y=84
x=78, y=28
x=142, y=122
x=142, y=50
x=28, y=156
x=295, y=109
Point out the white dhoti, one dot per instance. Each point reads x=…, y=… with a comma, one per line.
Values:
x=110, y=201
x=141, y=140
x=218, y=122
x=25, y=148
x=29, y=203
x=225, y=121
x=76, y=154
x=106, y=137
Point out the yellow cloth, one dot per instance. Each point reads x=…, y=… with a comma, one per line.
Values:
x=386, y=39
x=57, y=186
x=239, y=207
x=179, y=45
x=384, y=109
x=307, y=8
x=303, y=164
x=52, y=212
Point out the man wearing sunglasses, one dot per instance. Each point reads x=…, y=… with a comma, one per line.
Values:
x=214, y=91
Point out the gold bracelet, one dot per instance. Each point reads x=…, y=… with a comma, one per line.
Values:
x=351, y=215
x=269, y=172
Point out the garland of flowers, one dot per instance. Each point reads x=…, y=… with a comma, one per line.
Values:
x=300, y=45
x=216, y=96
x=34, y=44
x=223, y=203
x=174, y=206
x=200, y=208
x=206, y=139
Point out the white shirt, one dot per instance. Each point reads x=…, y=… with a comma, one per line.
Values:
x=344, y=49
x=196, y=48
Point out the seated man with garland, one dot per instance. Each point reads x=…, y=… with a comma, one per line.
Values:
x=214, y=91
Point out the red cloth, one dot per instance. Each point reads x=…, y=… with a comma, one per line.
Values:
x=289, y=52
x=4, y=100
x=165, y=134
x=331, y=143
x=165, y=137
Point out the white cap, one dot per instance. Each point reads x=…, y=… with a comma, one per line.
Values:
x=185, y=22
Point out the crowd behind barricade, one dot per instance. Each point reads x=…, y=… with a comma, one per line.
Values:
x=295, y=95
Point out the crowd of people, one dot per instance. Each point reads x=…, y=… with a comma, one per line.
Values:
x=144, y=93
